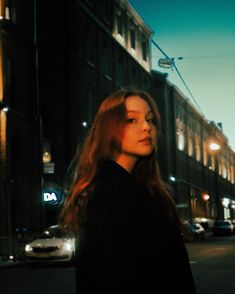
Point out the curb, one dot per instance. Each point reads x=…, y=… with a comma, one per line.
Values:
x=8, y=265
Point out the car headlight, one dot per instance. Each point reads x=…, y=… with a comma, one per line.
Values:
x=68, y=246
x=28, y=248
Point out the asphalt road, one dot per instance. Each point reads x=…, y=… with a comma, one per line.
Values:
x=212, y=262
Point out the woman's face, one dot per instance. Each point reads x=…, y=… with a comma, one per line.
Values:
x=139, y=138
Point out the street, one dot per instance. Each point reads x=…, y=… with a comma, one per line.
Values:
x=46, y=279
x=212, y=262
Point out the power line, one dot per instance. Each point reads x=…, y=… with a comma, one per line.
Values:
x=203, y=57
x=179, y=74
x=208, y=56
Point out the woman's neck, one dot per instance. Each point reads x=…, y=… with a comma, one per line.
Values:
x=127, y=162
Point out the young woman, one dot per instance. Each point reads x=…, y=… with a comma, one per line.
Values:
x=128, y=227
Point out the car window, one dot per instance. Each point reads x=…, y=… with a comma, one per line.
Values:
x=53, y=233
x=222, y=223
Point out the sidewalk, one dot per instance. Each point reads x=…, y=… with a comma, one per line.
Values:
x=9, y=263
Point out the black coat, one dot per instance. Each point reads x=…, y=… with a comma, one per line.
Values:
x=126, y=244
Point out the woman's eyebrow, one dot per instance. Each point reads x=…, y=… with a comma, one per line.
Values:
x=136, y=111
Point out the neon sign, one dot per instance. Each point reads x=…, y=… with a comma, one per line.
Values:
x=51, y=196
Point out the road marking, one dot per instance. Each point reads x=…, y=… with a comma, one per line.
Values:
x=192, y=261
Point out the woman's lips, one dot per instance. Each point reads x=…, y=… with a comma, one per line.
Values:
x=147, y=140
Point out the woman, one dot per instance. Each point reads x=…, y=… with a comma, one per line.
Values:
x=128, y=226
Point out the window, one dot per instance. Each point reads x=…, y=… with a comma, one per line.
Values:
x=232, y=174
x=144, y=50
x=1, y=9
x=133, y=38
x=190, y=143
x=10, y=13
x=180, y=140
x=180, y=127
x=198, y=147
x=120, y=29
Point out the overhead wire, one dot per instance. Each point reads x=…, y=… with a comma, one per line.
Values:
x=179, y=74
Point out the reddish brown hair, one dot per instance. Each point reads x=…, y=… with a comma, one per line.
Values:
x=104, y=142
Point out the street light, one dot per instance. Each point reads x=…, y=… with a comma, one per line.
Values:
x=214, y=148
x=168, y=62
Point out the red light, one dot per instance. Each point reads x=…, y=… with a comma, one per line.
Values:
x=205, y=196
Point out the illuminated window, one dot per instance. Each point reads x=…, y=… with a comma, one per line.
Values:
x=180, y=140
x=190, y=143
x=180, y=135
x=1, y=12
x=198, y=148
x=205, y=154
x=213, y=162
x=10, y=11
x=232, y=174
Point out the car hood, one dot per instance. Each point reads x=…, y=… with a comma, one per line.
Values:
x=49, y=242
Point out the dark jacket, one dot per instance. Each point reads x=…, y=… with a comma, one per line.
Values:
x=127, y=244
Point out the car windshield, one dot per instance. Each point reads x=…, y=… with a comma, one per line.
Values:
x=221, y=223
x=195, y=226
x=53, y=233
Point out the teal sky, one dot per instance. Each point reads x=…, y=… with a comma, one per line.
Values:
x=203, y=33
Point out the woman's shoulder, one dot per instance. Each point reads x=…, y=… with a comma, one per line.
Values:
x=112, y=179
x=111, y=172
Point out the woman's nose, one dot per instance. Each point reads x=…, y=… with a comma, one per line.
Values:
x=146, y=125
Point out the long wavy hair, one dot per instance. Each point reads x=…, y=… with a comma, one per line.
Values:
x=104, y=142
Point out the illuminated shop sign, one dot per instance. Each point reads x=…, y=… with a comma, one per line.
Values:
x=51, y=196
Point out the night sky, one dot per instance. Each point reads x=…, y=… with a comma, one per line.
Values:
x=203, y=33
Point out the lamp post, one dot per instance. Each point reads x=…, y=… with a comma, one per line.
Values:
x=214, y=148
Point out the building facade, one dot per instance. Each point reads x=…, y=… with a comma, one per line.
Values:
x=202, y=178
x=58, y=60
x=20, y=169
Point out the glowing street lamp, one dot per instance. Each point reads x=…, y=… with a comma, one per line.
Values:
x=214, y=146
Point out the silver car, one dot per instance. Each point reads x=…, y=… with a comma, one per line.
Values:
x=52, y=245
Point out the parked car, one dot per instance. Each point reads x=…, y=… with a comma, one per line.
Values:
x=222, y=227
x=192, y=231
x=233, y=222
x=52, y=245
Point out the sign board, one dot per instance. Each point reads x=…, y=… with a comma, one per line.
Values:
x=51, y=196
x=49, y=168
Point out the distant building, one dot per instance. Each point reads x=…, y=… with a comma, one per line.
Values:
x=202, y=177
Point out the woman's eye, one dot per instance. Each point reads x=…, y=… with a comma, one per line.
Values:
x=149, y=120
x=131, y=120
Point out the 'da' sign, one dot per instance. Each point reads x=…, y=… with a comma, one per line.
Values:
x=52, y=196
